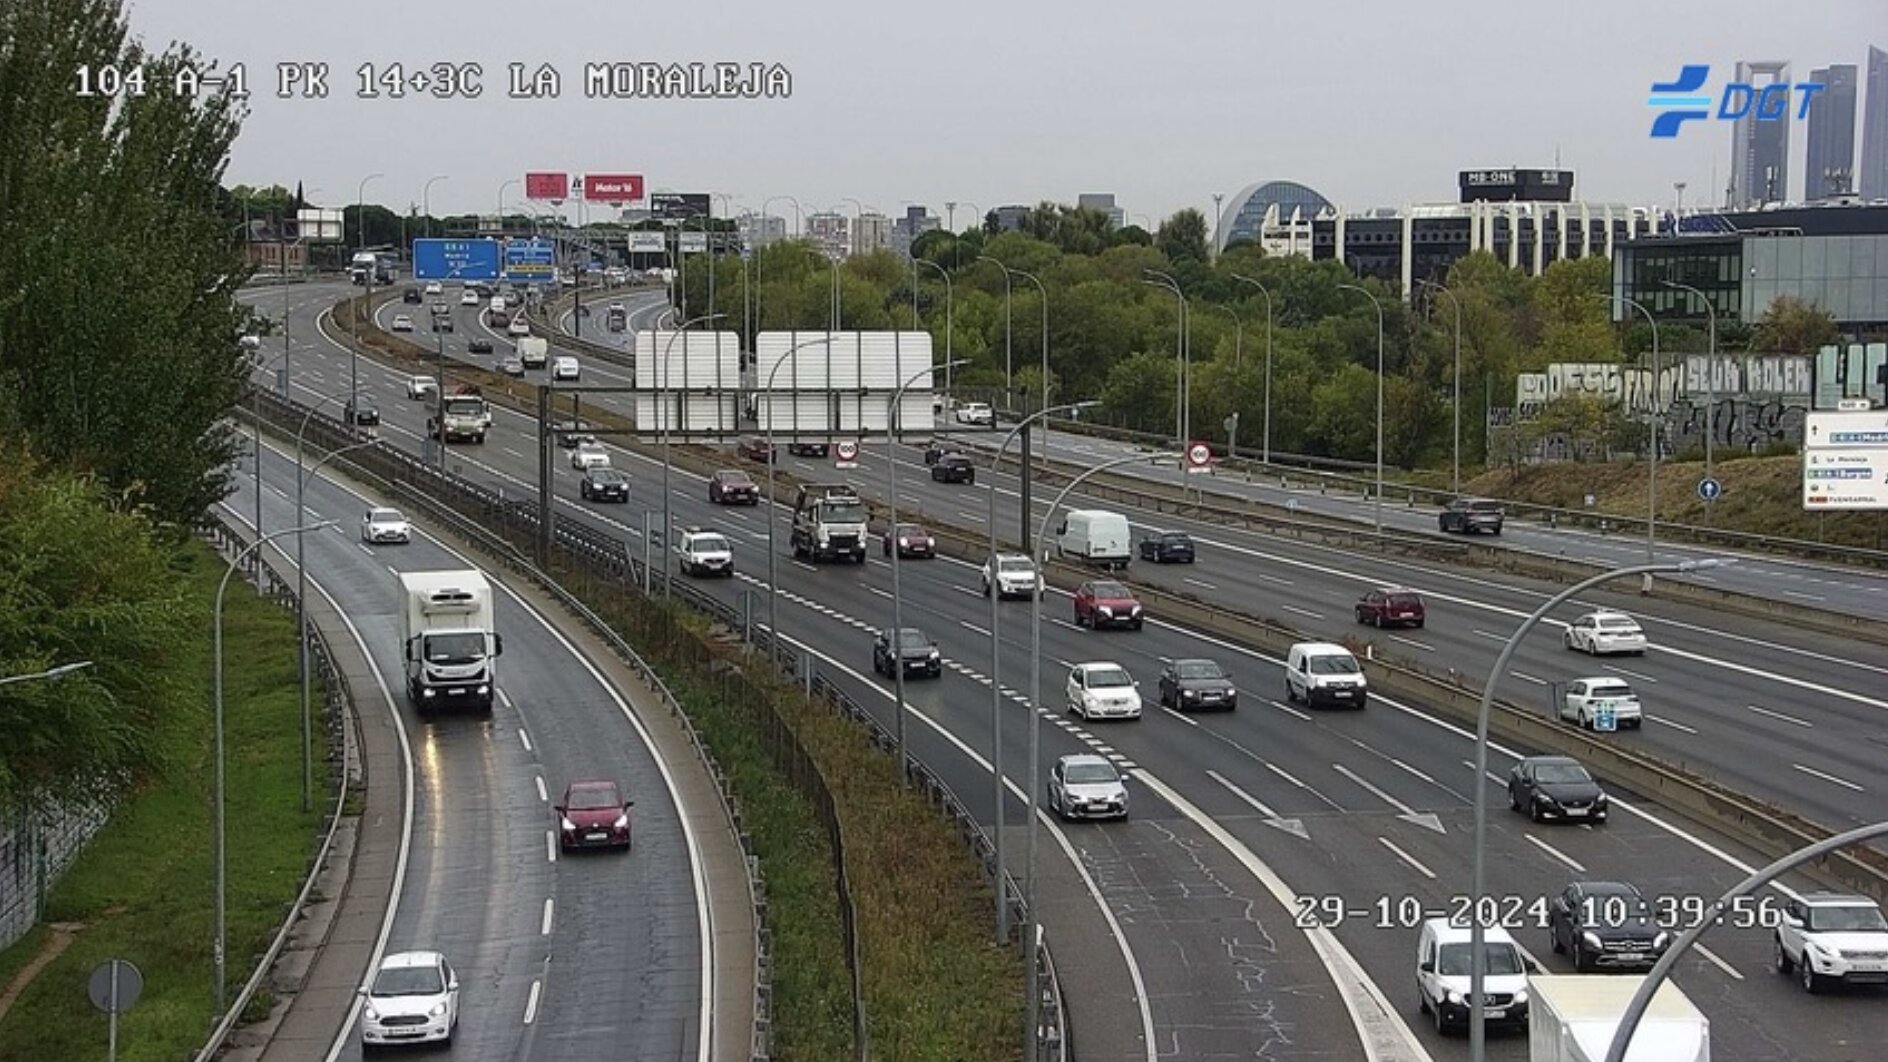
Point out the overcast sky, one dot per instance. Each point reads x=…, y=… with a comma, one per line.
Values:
x=1371, y=102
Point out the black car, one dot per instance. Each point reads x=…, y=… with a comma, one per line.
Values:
x=1604, y=923
x=954, y=468
x=411, y=295
x=1556, y=787
x=442, y=324
x=1197, y=684
x=362, y=412
x=756, y=448
x=937, y=448
x=601, y=483
x=1468, y=515
x=809, y=449
x=919, y=653
x=570, y=434
x=478, y=346
x=1168, y=547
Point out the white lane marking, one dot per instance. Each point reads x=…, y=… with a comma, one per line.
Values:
x=1198, y=583
x=803, y=564
x=1635, y=674
x=1257, y=804
x=1407, y=858
x=515, y=453
x=1490, y=635
x=504, y=697
x=1814, y=773
x=1675, y=726
x=971, y=626
x=1404, y=811
x=1805, y=597
x=550, y=845
x=1556, y=853
x=1288, y=709
x=531, y=1004
x=1273, y=579
x=886, y=594
x=1525, y=677
x=1413, y=643
x=1177, y=715
x=1414, y=771
x=1779, y=715
x=1713, y=958
x=526, y=738
x=544, y=795
x=544, y=930
x=362, y=546
x=1303, y=611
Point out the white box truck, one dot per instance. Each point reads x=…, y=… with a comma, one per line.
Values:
x=448, y=640
x=1094, y=536
x=534, y=352
x=1572, y=1018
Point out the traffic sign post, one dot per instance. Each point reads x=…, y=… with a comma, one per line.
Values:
x=455, y=259
x=1199, y=457
x=530, y=262
x=1605, y=717
x=1845, y=461
x=115, y=985
x=1709, y=489
x=847, y=454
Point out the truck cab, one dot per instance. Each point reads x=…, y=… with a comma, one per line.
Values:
x=448, y=640
x=829, y=523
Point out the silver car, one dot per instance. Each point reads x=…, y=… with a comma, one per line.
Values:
x=385, y=525
x=1086, y=786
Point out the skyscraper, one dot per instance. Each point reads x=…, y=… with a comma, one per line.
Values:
x=1760, y=150
x=1872, y=174
x=1830, y=169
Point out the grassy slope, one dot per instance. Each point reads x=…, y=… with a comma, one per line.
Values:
x=143, y=887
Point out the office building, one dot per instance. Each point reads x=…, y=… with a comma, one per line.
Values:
x=1274, y=214
x=1760, y=149
x=1104, y=202
x=1871, y=171
x=1010, y=218
x=1829, y=169
x=871, y=232
x=917, y=221
x=758, y=231
x=831, y=232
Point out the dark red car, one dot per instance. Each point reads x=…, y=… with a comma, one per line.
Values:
x=593, y=814
x=731, y=486
x=1392, y=606
x=1105, y=603
x=913, y=541
x=756, y=448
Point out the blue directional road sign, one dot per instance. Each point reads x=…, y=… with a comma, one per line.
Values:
x=1709, y=489
x=530, y=262
x=455, y=259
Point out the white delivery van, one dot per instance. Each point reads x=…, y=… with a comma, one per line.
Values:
x=1574, y=1019
x=1324, y=673
x=1094, y=536
x=1444, y=958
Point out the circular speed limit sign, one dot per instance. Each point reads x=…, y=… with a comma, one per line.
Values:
x=1199, y=455
x=847, y=451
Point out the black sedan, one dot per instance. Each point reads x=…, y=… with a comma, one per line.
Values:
x=1556, y=787
x=1168, y=547
x=604, y=484
x=442, y=324
x=954, y=468
x=809, y=449
x=478, y=346
x=1605, y=924
x=1186, y=684
x=411, y=295
x=362, y=412
x=918, y=652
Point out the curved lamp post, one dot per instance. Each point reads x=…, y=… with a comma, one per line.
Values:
x=1044, y=292
x=1455, y=478
x=1478, y=885
x=1265, y=452
x=1379, y=488
x=1710, y=372
x=360, y=244
x=773, y=577
x=662, y=392
x=1652, y=441
x=1009, y=363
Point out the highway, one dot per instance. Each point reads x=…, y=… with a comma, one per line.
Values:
x=1214, y=795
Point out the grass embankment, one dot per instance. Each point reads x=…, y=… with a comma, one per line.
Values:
x=936, y=987
x=142, y=889
x=1762, y=495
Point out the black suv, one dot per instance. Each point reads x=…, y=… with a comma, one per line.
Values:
x=1197, y=684
x=809, y=449
x=954, y=468
x=1555, y=787
x=1168, y=547
x=411, y=295
x=362, y=413
x=603, y=484
x=1604, y=923
x=917, y=651
x=1471, y=515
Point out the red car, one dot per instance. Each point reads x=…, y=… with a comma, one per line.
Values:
x=1105, y=603
x=731, y=486
x=756, y=448
x=913, y=541
x=593, y=814
x=1392, y=606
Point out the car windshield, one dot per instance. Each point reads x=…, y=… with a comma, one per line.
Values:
x=911, y=531
x=606, y=475
x=1111, y=590
x=1856, y=919
x=408, y=981
x=1613, y=690
x=594, y=797
x=1561, y=774
x=1104, y=678
x=466, y=647
x=736, y=480
x=1174, y=538
x=1197, y=669
x=1331, y=665
x=1016, y=564
x=385, y=516
x=848, y=511
x=1498, y=960
x=913, y=638
x=1618, y=623
x=1091, y=774
x=710, y=544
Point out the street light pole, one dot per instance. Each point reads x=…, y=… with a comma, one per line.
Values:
x=948, y=360
x=1009, y=366
x=218, y=946
x=426, y=201
x=1477, y=1022
x=301, y=609
x=360, y=237
x=1653, y=418
x=1163, y=280
x=662, y=396
x=1455, y=478
x=773, y=577
x=1710, y=374
x=1266, y=440
x=1379, y=489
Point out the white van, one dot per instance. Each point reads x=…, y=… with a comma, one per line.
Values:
x=498, y=304
x=1095, y=536
x=1322, y=673
x=1443, y=957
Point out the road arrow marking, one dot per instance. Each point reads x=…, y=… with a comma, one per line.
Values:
x=1427, y=820
x=1272, y=819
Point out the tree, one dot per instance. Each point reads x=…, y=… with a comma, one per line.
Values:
x=1140, y=392
x=122, y=192
x=1573, y=315
x=1183, y=236
x=1795, y=326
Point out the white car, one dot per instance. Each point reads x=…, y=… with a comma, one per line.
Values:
x=1828, y=937
x=418, y=387
x=385, y=525
x=402, y=323
x=1586, y=698
x=1103, y=690
x=520, y=326
x=975, y=413
x=1606, y=632
x=1014, y=575
x=705, y=553
x=433, y=288
x=589, y=455
x=413, y=999
x=1087, y=786
x=468, y=297
x=564, y=367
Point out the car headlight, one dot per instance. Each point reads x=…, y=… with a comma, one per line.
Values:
x=622, y=822
x=438, y=1009
x=569, y=826
x=1189, y=693
x=934, y=655
x=904, y=543
x=1455, y=997
x=483, y=690
x=370, y=1012
x=1592, y=940
x=1135, y=611
x=1521, y=996
x=1104, y=610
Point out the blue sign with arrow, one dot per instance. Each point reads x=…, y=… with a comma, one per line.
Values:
x=530, y=262
x=455, y=259
x=1709, y=489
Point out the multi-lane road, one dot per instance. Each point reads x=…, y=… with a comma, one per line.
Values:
x=1238, y=815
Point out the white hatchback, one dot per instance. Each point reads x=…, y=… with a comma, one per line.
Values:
x=1103, y=690
x=413, y=999
x=1606, y=632
x=589, y=455
x=1586, y=699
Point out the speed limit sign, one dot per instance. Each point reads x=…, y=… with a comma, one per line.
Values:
x=848, y=455
x=1199, y=457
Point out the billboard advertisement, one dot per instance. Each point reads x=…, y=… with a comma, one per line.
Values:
x=553, y=186
x=530, y=262
x=1845, y=461
x=612, y=187
x=679, y=204
x=455, y=259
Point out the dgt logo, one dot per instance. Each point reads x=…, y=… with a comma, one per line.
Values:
x=1678, y=99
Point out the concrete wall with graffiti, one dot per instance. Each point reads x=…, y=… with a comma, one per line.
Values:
x=1742, y=402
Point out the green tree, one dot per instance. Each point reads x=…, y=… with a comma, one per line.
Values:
x=1343, y=419
x=1140, y=392
x=1183, y=236
x=118, y=319
x=1573, y=315
x=1791, y=325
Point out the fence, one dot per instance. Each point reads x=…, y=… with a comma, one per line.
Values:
x=37, y=846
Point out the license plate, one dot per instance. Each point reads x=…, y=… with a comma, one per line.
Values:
x=1576, y=813
x=1342, y=693
x=598, y=836
x=1495, y=1012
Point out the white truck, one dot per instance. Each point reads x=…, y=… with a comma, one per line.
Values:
x=829, y=523
x=448, y=640
x=534, y=352
x=1572, y=1018
x=461, y=416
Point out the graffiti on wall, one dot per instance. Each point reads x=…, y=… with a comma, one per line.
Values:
x=1736, y=424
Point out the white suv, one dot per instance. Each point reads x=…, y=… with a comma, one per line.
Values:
x=975, y=413
x=1831, y=937
x=1103, y=689
x=1013, y=575
x=705, y=553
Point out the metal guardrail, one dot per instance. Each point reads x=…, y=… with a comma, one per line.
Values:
x=339, y=702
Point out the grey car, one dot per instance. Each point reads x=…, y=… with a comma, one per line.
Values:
x=1189, y=684
x=1086, y=786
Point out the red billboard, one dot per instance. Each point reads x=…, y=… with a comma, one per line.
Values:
x=612, y=187
x=547, y=186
